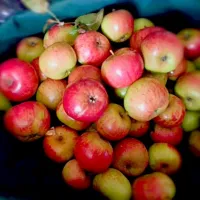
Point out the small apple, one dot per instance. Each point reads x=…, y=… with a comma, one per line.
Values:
x=197, y=63
x=190, y=66
x=18, y=80
x=27, y=121
x=92, y=48
x=118, y=25
x=154, y=186
x=141, y=23
x=194, y=142
x=59, y=143
x=130, y=157
x=145, y=99
x=93, y=153
x=114, y=123
x=172, y=135
x=57, y=60
x=75, y=176
x=29, y=48
x=5, y=104
x=113, y=185
x=164, y=157
x=85, y=100
x=162, y=51
x=120, y=92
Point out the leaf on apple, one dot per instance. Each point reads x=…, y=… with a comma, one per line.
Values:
x=38, y=6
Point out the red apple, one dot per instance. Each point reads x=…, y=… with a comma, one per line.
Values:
x=114, y=123
x=92, y=48
x=130, y=157
x=75, y=176
x=27, y=121
x=172, y=136
x=85, y=100
x=85, y=71
x=173, y=115
x=18, y=80
x=93, y=153
x=118, y=25
x=138, y=128
x=122, y=68
x=69, y=121
x=59, y=143
x=145, y=99
x=194, y=142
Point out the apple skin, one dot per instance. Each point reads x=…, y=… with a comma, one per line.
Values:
x=75, y=176
x=60, y=33
x=123, y=68
x=194, y=143
x=50, y=92
x=5, y=104
x=85, y=71
x=69, y=121
x=114, y=123
x=190, y=66
x=118, y=25
x=59, y=143
x=164, y=157
x=85, y=100
x=160, y=186
x=141, y=23
x=27, y=121
x=29, y=48
x=173, y=115
x=187, y=88
x=138, y=128
x=172, y=136
x=197, y=63
x=145, y=99
x=18, y=80
x=120, y=92
x=162, y=51
x=92, y=48
x=58, y=60
x=93, y=153
x=130, y=157
x=113, y=185
x=190, y=37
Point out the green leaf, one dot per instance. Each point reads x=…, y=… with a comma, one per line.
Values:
x=91, y=21
x=37, y=6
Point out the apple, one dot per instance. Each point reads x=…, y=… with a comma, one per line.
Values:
x=145, y=99
x=113, y=185
x=93, y=153
x=191, y=121
x=194, y=142
x=18, y=80
x=153, y=186
x=190, y=66
x=130, y=157
x=59, y=143
x=92, y=48
x=141, y=23
x=85, y=71
x=114, y=123
x=174, y=113
x=164, y=157
x=60, y=33
x=69, y=121
x=57, y=60
x=50, y=92
x=35, y=64
x=138, y=128
x=190, y=38
x=120, y=92
x=75, y=176
x=197, y=63
x=162, y=51
x=27, y=121
x=29, y=48
x=118, y=25
x=85, y=100
x=5, y=104
x=172, y=135
x=138, y=37
x=187, y=88
x=122, y=68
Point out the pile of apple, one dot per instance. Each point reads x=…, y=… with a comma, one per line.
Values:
x=106, y=84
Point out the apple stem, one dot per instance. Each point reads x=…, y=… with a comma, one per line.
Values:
x=54, y=16
x=111, y=51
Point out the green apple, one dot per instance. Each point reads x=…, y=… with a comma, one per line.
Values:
x=190, y=66
x=4, y=103
x=161, y=77
x=191, y=121
x=113, y=185
x=197, y=62
x=194, y=142
x=120, y=92
x=141, y=23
